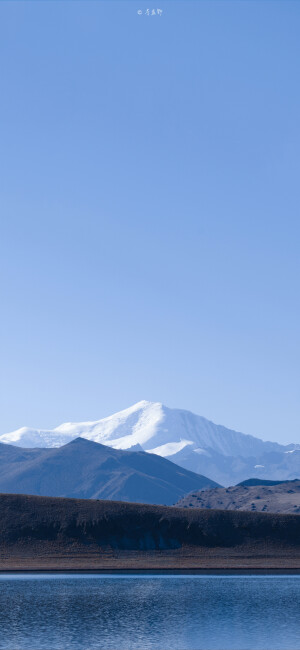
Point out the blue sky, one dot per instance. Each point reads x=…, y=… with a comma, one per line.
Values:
x=149, y=243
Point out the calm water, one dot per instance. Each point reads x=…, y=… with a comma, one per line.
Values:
x=150, y=612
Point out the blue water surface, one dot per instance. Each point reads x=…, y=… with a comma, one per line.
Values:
x=149, y=612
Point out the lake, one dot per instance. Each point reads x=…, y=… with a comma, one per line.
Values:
x=155, y=612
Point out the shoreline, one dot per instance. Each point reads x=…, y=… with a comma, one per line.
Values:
x=53, y=557
x=155, y=572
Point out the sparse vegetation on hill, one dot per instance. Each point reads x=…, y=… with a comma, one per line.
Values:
x=43, y=532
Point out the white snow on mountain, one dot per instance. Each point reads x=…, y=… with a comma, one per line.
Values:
x=155, y=427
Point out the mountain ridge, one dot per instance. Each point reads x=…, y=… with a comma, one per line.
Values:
x=87, y=469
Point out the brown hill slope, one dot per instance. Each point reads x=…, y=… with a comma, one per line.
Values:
x=280, y=498
x=58, y=533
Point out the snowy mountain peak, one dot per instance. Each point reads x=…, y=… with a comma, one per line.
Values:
x=134, y=425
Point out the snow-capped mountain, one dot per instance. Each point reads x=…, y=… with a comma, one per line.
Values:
x=181, y=436
x=151, y=425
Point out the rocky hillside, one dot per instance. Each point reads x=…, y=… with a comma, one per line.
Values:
x=278, y=498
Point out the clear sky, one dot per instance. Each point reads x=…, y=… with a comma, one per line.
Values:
x=149, y=172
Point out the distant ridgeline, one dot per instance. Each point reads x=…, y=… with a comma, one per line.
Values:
x=86, y=469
